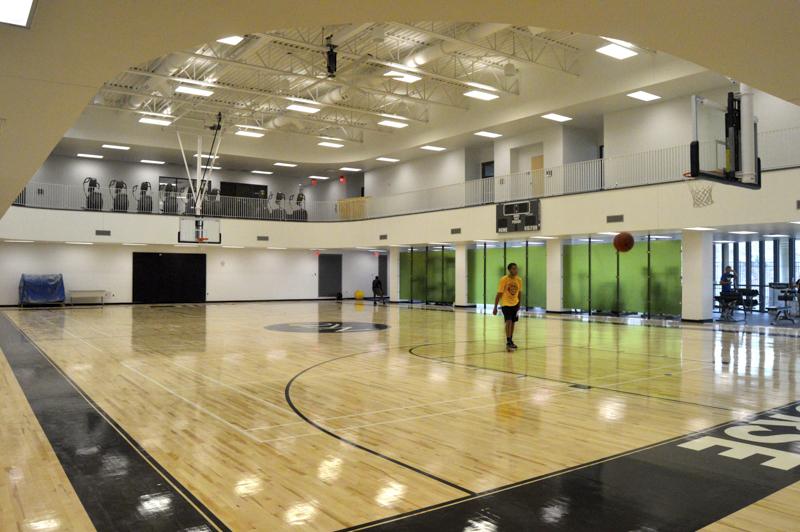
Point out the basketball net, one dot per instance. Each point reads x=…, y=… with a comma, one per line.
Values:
x=701, y=191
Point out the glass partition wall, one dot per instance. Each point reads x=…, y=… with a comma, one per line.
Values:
x=427, y=274
x=487, y=263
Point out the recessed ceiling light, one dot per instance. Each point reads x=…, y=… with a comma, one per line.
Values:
x=620, y=42
x=18, y=241
x=16, y=13
x=439, y=243
x=405, y=77
x=743, y=232
x=481, y=95
x=544, y=237
x=660, y=237
x=89, y=156
x=481, y=86
x=272, y=247
x=608, y=233
x=262, y=172
x=207, y=167
x=724, y=242
x=307, y=109
x=80, y=243
x=151, y=161
x=328, y=144
x=776, y=236
x=318, y=177
x=155, y=121
x=204, y=156
x=488, y=241
x=116, y=147
x=488, y=134
x=392, y=123
x=325, y=137
x=349, y=169
x=287, y=165
x=616, y=51
x=248, y=126
x=389, y=115
x=387, y=159
x=185, y=245
x=699, y=229
x=248, y=133
x=194, y=91
x=132, y=244
x=301, y=100
x=233, y=40
x=234, y=247
x=432, y=148
x=796, y=223
x=557, y=117
x=644, y=96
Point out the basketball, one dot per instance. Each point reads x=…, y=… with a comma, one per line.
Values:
x=623, y=242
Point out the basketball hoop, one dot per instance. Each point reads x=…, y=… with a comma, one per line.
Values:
x=701, y=192
x=202, y=239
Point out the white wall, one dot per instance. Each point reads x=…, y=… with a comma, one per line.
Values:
x=474, y=156
x=232, y=274
x=440, y=169
x=652, y=126
x=505, y=148
x=580, y=145
x=521, y=157
x=73, y=170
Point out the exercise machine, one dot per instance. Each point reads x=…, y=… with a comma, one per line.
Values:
x=118, y=190
x=144, y=201
x=94, y=198
x=280, y=212
x=300, y=214
x=170, y=199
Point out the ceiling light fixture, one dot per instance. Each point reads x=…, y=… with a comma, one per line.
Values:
x=488, y=241
x=210, y=167
x=89, y=156
x=387, y=159
x=204, y=156
x=272, y=247
x=699, y=229
x=432, y=148
x=660, y=237
x=18, y=13
x=481, y=95
x=397, y=117
x=194, y=91
x=232, y=40
x=325, y=137
x=286, y=165
x=116, y=147
x=151, y=161
x=248, y=133
x=405, y=77
x=555, y=117
x=644, y=96
x=544, y=237
x=262, y=172
x=132, y=244
x=327, y=144
x=616, y=51
x=80, y=243
x=724, y=242
x=743, y=232
x=303, y=108
x=488, y=134
x=392, y=123
x=154, y=121
x=301, y=100
x=481, y=86
x=620, y=42
x=776, y=236
x=608, y=233
x=318, y=177
x=234, y=247
x=18, y=241
x=349, y=169
x=248, y=126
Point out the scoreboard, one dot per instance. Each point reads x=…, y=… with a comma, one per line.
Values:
x=518, y=216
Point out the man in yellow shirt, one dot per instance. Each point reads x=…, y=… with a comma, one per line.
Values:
x=509, y=293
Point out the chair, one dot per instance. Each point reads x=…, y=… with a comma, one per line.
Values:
x=728, y=301
x=782, y=311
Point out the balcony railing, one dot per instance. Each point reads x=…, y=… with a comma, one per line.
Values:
x=778, y=149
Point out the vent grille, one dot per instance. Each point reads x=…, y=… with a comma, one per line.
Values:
x=383, y=237
x=615, y=218
x=262, y=238
x=455, y=231
x=102, y=232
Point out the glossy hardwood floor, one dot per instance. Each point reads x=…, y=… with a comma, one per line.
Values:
x=275, y=430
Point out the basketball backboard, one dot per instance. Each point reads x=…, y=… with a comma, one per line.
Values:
x=199, y=230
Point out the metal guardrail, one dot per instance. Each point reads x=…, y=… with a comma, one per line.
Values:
x=778, y=149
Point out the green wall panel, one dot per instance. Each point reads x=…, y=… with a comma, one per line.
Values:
x=535, y=275
x=576, y=276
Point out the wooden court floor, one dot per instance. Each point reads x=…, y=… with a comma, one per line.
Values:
x=278, y=430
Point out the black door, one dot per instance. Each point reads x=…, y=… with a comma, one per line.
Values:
x=330, y=275
x=383, y=261
x=169, y=278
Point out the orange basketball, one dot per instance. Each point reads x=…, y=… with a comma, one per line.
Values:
x=623, y=242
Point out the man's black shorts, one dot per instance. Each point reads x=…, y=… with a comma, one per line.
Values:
x=510, y=313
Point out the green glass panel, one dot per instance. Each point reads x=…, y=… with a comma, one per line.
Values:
x=604, y=277
x=665, y=282
x=475, y=276
x=576, y=276
x=633, y=278
x=405, y=275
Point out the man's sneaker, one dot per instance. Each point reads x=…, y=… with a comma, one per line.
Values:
x=512, y=345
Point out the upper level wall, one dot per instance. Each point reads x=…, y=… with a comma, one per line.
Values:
x=445, y=168
x=73, y=170
x=550, y=137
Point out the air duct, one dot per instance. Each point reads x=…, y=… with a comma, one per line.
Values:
x=440, y=48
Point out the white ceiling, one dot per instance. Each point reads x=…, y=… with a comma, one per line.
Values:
x=253, y=81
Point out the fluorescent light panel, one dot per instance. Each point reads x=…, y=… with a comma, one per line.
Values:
x=16, y=12
x=616, y=51
x=155, y=121
x=80, y=243
x=743, y=232
x=18, y=241
x=286, y=165
x=392, y=123
x=620, y=42
x=116, y=147
x=132, y=244
x=428, y=147
x=328, y=144
x=481, y=86
x=234, y=247
x=608, y=233
x=204, y=156
x=776, y=236
x=387, y=159
x=405, y=77
x=488, y=134
x=210, y=167
x=644, y=96
x=89, y=156
x=396, y=117
x=274, y=248
x=318, y=177
x=557, y=117
x=349, y=169
x=699, y=229
x=262, y=172
x=248, y=133
x=151, y=161
x=481, y=95
x=303, y=108
x=232, y=40
x=194, y=91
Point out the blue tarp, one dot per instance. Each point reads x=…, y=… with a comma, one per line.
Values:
x=39, y=289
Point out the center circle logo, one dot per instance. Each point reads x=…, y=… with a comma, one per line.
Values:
x=328, y=327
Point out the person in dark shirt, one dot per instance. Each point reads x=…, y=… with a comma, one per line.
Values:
x=377, y=291
x=727, y=280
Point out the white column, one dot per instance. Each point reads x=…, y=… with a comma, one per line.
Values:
x=462, y=275
x=555, y=275
x=747, y=139
x=394, y=274
x=697, y=265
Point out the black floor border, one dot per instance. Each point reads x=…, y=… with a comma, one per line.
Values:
x=202, y=510
x=301, y=415
x=532, y=480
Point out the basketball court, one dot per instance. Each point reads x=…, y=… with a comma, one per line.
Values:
x=229, y=416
